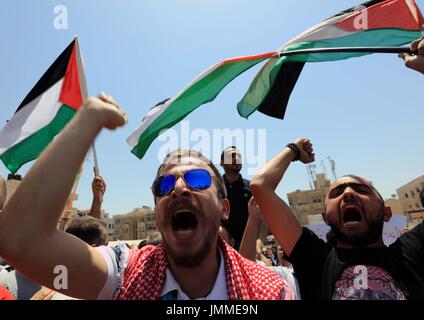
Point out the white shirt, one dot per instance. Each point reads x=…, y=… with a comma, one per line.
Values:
x=115, y=274
x=218, y=292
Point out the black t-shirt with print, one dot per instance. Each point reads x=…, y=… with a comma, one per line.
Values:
x=393, y=272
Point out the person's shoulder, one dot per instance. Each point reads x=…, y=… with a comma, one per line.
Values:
x=413, y=238
x=246, y=182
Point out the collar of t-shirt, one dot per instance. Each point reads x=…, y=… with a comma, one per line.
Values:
x=219, y=290
x=238, y=181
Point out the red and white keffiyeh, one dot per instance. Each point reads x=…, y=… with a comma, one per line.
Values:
x=246, y=280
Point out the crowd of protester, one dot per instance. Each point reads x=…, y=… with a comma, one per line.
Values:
x=202, y=250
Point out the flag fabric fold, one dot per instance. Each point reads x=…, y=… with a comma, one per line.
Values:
x=203, y=89
x=373, y=23
x=45, y=111
x=377, y=23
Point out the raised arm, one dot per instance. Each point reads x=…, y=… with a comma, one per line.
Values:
x=29, y=239
x=250, y=235
x=98, y=187
x=280, y=219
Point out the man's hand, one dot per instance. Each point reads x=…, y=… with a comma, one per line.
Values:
x=415, y=61
x=254, y=212
x=99, y=187
x=38, y=206
x=43, y=294
x=306, y=151
x=109, y=112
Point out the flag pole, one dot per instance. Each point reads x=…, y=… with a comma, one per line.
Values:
x=83, y=81
x=348, y=49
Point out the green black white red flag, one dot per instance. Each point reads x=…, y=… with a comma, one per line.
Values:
x=376, y=23
x=201, y=90
x=373, y=23
x=45, y=111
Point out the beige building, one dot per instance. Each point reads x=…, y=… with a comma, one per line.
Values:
x=409, y=197
x=394, y=204
x=310, y=202
x=137, y=224
x=109, y=224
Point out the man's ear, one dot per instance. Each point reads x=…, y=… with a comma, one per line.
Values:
x=387, y=214
x=324, y=217
x=225, y=212
x=157, y=224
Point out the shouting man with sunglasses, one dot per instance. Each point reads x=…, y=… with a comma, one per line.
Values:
x=192, y=263
x=359, y=266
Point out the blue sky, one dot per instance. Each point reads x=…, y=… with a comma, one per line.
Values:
x=365, y=113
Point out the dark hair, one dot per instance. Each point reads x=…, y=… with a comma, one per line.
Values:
x=142, y=243
x=91, y=230
x=422, y=196
x=227, y=148
x=184, y=153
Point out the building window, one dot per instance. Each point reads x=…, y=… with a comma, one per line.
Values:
x=418, y=190
x=406, y=195
x=412, y=193
x=150, y=227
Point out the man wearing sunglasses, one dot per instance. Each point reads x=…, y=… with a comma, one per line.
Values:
x=358, y=265
x=190, y=196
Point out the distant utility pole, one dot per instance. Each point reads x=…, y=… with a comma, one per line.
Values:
x=333, y=167
x=311, y=168
x=323, y=166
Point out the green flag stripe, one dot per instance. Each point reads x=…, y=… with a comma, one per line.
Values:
x=202, y=91
x=264, y=80
x=31, y=147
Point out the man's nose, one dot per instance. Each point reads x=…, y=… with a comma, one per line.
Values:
x=349, y=193
x=180, y=189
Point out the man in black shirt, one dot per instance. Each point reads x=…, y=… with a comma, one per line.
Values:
x=238, y=191
x=359, y=266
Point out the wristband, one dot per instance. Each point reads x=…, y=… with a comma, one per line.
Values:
x=296, y=151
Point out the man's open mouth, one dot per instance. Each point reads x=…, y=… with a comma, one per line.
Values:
x=351, y=215
x=184, y=221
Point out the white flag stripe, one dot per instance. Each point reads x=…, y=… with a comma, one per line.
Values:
x=319, y=32
x=31, y=118
x=155, y=112
x=148, y=119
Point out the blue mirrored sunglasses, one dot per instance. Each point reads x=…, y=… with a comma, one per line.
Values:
x=196, y=179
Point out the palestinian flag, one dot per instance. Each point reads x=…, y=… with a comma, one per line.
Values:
x=45, y=111
x=374, y=23
x=202, y=90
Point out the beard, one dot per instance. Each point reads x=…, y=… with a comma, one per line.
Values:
x=372, y=235
x=191, y=259
x=234, y=169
